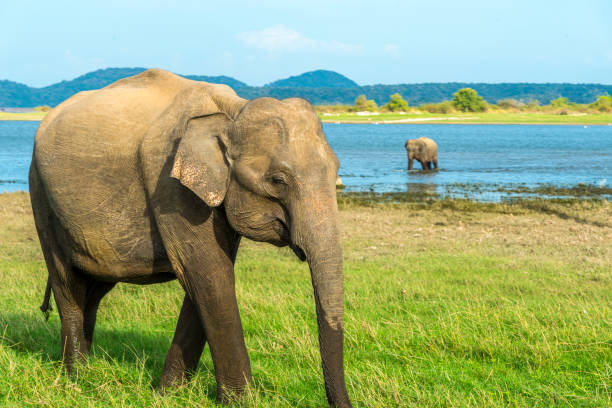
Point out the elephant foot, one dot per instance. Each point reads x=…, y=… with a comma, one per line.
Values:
x=173, y=377
x=230, y=393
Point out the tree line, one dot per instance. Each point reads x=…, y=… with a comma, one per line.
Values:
x=468, y=100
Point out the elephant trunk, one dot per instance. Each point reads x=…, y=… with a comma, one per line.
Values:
x=316, y=232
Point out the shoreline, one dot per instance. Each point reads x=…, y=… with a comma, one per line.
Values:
x=377, y=120
x=390, y=122
x=445, y=122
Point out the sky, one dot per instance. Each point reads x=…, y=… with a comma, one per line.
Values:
x=259, y=42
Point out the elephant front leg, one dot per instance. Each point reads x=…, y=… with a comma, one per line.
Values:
x=215, y=299
x=410, y=164
x=203, y=256
x=186, y=349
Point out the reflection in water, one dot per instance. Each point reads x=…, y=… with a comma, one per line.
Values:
x=423, y=190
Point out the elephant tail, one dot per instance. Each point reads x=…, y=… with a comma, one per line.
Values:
x=46, y=305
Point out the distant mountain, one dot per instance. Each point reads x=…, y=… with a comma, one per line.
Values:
x=315, y=79
x=221, y=79
x=319, y=87
x=18, y=95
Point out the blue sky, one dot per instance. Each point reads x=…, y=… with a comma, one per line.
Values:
x=258, y=42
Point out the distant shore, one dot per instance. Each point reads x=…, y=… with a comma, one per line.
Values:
x=486, y=118
x=27, y=116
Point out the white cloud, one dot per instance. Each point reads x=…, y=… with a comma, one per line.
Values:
x=279, y=38
x=391, y=49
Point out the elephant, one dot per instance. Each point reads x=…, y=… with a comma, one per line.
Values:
x=423, y=149
x=156, y=177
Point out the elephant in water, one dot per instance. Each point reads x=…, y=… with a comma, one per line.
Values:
x=156, y=177
x=424, y=150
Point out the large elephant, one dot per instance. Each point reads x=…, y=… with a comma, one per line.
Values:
x=424, y=150
x=157, y=177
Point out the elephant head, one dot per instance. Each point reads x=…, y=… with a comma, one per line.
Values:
x=414, y=148
x=274, y=173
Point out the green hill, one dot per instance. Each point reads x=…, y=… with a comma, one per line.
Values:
x=13, y=94
x=320, y=87
x=315, y=79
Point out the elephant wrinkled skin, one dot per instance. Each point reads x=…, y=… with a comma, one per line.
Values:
x=424, y=150
x=157, y=177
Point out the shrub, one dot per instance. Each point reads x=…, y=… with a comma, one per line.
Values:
x=560, y=102
x=442, y=107
x=467, y=100
x=363, y=104
x=532, y=105
x=397, y=103
x=602, y=104
x=509, y=104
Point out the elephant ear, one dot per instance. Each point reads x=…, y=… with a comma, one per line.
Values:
x=200, y=163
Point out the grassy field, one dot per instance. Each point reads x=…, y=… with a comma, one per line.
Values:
x=448, y=304
x=472, y=118
x=22, y=116
x=466, y=118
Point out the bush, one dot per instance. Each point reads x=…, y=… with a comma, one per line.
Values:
x=363, y=104
x=602, y=104
x=532, y=105
x=43, y=108
x=509, y=104
x=397, y=103
x=560, y=102
x=467, y=100
x=442, y=107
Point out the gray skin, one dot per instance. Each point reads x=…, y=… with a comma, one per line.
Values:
x=157, y=177
x=424, y=150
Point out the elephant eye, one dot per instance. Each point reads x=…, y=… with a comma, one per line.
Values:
x=278, y=180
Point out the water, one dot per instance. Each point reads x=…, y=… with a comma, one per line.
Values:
x=16, y=143
x=373, y=157
x=489, y=157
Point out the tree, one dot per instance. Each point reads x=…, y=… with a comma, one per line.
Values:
x=467, y=100
x=363, y=104
x=397, y=103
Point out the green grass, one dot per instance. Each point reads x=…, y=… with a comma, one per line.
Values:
x=471, y=118
x=448, y=304
x=467, y=118
x=22, y=116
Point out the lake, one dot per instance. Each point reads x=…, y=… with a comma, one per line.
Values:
x=475, y=160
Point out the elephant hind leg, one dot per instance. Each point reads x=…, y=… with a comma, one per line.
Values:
x=187, y=346
x=96, y=290
x=77, y=297
x=69, y=293
x=68, y=289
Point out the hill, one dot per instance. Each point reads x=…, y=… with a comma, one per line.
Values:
x=315, y=79
x=14, y=94
x=320, y=87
